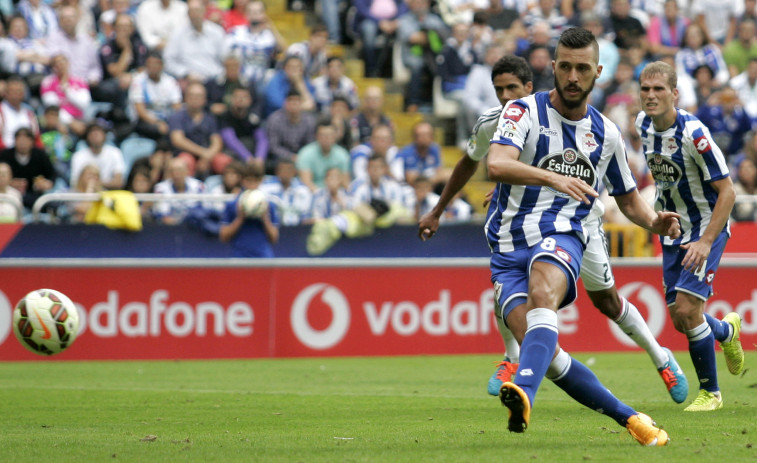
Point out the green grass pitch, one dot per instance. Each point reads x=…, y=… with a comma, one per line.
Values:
x=392, y=409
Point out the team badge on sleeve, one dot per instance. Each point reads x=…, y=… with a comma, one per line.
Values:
x=702, y=144
x=514, y=112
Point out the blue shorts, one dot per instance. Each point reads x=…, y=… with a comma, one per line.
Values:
x=675, y=278
x=510, y=271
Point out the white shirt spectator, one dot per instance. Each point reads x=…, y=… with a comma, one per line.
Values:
x=717, y=15
x=359, y=159
x=362, y=191
x=324, y=206
x=747, y=93
x=156, y=23
x=255, y=51
x=176, y=209
x=158, y=97
x=12, y=119
x=324, y=94
x=110, y=161
x=294, y=202
x=192, y=52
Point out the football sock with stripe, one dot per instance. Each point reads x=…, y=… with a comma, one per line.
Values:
x=537, y=349
x=633, y=324
x=512, y=349
x=702, y=351
x=579, y=382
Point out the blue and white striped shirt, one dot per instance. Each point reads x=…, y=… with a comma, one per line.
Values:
x=520, y=216
x=683, y=160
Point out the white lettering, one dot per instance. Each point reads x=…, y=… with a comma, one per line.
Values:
x=137, y=311
x=204, y=310
x=108, y=309
x=486, y=305
x=465, y=310
x=377, y=321
x=239, y=320
x=157, y=307
x=413, y=318
x=438, y=310
x=174, y=312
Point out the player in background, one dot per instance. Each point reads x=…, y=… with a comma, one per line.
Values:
x=512, y=79
x=691, y=176
x=549, y=151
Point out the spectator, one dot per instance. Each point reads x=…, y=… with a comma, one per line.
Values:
x=193, y=51
x=256, y=46
x=291, y=76
x=85, y=19
x=78, y=48
x=698, y=50
x=422, y=36
x=545, y=11
x=250, y=237
x=24, y=55
x=108, y=159
x=223, y=86
x=57, y=143
x=540, y=62
x=622, y=89
x=422, y=157
x=728, y=122
x=312, y=52
x=481, y=34
x=717, y=18
x=40, y=17
x=33, y=173
x=122, y=55
x=178, y=182
x=739, y=51
x=381, y=144
x=195, y=136
x=665, y=33
x=478, y=94
x=424, y=199
x=158, y=19
x=499, y=17
x=294, y=197
x=242, y=130
x=460, y=11
x=231, y=179
x=376, y=185
x=156, y=163
x=153, y=97
x=330, y=17
x=745, y=184
x=8, y=213
x=108, y=17
x=333, y=83
x=745, y=85
x=315, y=158
x=236, y=15
x=376, y=22
x=88, y=182
x=705, y=85
x=288, y=129
x=139, y=181
x=370, y=115
x=340, y=114
x=68, y=92
x=609, y=56
x=332, y=198
x=628, y=30
x=454, y=64
x=14, y=113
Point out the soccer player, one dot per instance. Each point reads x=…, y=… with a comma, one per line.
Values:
x=691, y=176
x=512, y=79
x=548, y=153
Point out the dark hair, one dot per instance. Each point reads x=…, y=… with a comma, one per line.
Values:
x=94, y=126
x=334, y=58
x=26, y=131
x=324, y=121
x=154, y=54
x=252, y=170
x=577, y=38
x=293, y=92
x=15, y=78
x=163, y=144
x=515, y=65
x=481, y=18
x=377, y=157
x=53, y=108
x=138, y=169
x=286, y=161
x=317, y=28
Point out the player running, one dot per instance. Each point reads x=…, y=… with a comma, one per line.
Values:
x=691, y=176
x=512, y=79
x=548, y=153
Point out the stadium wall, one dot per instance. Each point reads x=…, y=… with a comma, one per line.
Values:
x=227, y=308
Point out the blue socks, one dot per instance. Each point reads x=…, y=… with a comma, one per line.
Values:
x=702, y=351
x=536, y=350
x=584, y=387
x=721, y=329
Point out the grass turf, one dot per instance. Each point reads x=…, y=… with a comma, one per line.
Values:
x=431, y=408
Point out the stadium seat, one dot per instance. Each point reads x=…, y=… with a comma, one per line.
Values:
x=134, y=148
x=400, y=73
x=443, y=106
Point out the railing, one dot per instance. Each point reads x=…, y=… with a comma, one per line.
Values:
x=13, y=201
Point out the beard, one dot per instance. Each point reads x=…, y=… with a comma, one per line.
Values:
x=572, y=104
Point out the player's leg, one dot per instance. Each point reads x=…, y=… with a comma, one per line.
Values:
x=505, y=369
x=583, y=386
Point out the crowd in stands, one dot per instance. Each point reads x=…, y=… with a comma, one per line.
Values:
x=173, y=97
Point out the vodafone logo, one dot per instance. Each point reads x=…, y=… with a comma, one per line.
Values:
x=652, y=300
x=340, y=316
x=6, y=317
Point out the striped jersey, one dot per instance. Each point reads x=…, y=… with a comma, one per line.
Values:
x=591, y=148
x=683, y=160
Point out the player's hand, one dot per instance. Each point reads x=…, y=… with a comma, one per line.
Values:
x=488, y=198
x=667, y=224
x=576, y=188
x=696, y=255
x=427, y=226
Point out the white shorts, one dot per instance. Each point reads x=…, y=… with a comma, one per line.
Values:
x=595, y=268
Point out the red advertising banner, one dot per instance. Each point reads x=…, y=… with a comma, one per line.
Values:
x=170, y=312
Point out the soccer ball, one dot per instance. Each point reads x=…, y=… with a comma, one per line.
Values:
x=254, y=203
x=45, y=321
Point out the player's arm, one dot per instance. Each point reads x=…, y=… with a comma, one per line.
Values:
x=697, y=251
x=504, y=167
x=229, y=230
x=638, y=211
x=270, y=229
x=463, y=171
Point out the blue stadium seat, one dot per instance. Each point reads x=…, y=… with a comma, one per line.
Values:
x=134, y=148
